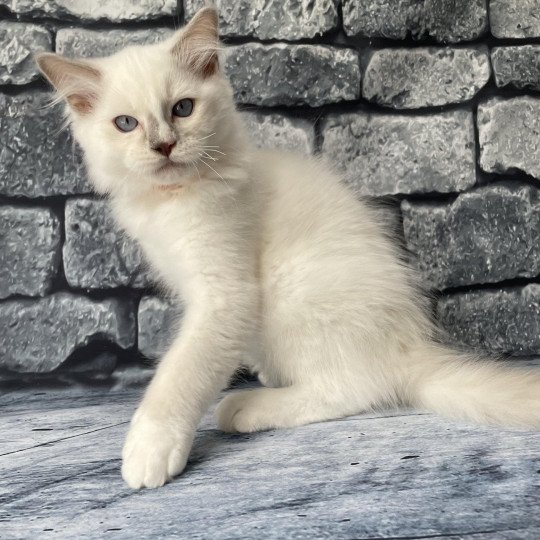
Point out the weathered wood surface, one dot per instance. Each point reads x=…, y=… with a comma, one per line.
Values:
x=393, y=475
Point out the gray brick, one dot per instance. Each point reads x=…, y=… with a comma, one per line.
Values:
x=485, y=236
x=30, y=242
x=515, y=18
x=509, y=134
x=158, y=321
x=443, y=20
x=272, y=19
x=18, y=43
x=120, y=10
x=425, y=77
x=500, y=321
x=282, y=74
x=279, y=131
x=517, y=66
x=97, y=254
x=390, y=154
x=39, y=335
x=79, y=42
x=36, y=158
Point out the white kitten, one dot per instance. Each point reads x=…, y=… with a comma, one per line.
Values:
x=279, y=266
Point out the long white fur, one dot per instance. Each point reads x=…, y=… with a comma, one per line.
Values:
x=280, y=268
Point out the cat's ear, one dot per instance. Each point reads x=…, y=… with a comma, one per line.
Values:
x=76, y=81
x=197, y=44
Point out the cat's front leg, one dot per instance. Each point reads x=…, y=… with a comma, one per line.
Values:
x=198, y=365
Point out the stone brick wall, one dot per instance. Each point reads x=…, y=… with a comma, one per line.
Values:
x=430, y=105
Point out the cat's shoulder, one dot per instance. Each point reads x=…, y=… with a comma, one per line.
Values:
x=269, y=160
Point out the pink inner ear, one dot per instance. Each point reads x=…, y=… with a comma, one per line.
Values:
x=76, y=80
x=199, y=42
x=81, y=104
x=211, y=66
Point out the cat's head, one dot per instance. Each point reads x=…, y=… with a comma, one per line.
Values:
x=151, y=116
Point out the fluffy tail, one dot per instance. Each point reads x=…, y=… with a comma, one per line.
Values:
x=464, y=386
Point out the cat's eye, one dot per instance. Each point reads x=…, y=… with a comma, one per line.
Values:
x=183, y=108
x=125, y=123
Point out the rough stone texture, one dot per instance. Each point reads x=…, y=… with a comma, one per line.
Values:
x=390, y=154
x=282, y=74
x=447, y=21
x=425, y=77
x=37, y=158
x=484, y=236
x=158, y=319
x=18, y=43
x=517, y=66
x=279, y=131
x=39, y=335
x=509, y=134
x=120, y=10
x=504, y=321
x=272, y=19
x=84, y=43
x=96, y=253
x=29, y=250
x=515, y=18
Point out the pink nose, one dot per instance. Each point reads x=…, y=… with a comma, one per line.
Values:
x=165, y=148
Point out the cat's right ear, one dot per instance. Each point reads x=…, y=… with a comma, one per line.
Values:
x=76, y=81
x=197, y=44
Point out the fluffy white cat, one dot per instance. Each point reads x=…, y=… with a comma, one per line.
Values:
x=279, y=266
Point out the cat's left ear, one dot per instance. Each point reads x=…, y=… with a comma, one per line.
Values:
x=76, y=81
x=197, y=44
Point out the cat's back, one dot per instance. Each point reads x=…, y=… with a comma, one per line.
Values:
x=305, y=198
x=311, y=223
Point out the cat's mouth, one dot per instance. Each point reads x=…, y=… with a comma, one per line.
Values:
x=168, y=169
x=169, y=187
x=171, y=166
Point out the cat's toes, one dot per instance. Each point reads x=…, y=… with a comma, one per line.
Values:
x=245, y=412
x=152, y=454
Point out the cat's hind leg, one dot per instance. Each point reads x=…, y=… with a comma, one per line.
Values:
x=273, y=408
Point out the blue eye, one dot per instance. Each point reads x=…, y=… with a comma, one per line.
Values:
x=125, y=123
x=183, y=108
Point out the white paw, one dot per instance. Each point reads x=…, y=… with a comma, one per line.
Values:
x=245, y=412
x=153, y=453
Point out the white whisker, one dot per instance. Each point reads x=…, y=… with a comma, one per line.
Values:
x=231, y=191
x=194, y=163
x=202, y=138
x=209, y=156
x=210, y=166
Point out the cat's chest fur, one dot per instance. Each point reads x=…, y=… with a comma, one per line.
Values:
x=187, y=237
x=170, y=232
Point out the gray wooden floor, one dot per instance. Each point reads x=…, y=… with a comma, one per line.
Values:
x=407, y=475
